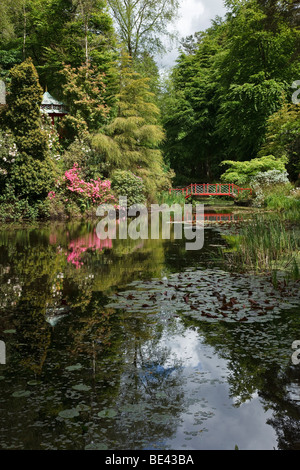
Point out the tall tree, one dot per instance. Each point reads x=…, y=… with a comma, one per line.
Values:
x=132, y=140
x=226, y=84
x=32, y=173
x=189, y=109
x=143, y=23
x=84, y=92
x=57, y=32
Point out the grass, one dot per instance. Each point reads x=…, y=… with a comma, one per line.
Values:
x=264, y=245
x=171, y=198
x=288, y=206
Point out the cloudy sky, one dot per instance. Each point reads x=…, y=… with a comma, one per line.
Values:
x=194, y=15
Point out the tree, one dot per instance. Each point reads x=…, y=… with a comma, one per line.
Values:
x=257, y=70
x=57, y=32
x=227, y=82
x=131, y=141
x=32, y=172
x=23, y=110
x=283, y=137
x=84, y=93
x=142, y=23
x=189, y=110
x=242, y=172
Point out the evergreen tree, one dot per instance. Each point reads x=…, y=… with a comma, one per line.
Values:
x=84, y=92
x=132, y=140
x=32, y=173
x=23, y=110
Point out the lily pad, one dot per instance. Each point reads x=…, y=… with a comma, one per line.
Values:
x=82, y=407
x=210, y=295
x=107, y=413
x=33, y=382
x=9, y=331
x=81, y=387
x=96, y=446
x=21, y=393
x=74, y=367
x=69, y=413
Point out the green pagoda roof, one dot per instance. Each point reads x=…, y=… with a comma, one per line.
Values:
x=52, y=106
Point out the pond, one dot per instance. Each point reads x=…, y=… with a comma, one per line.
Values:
x=142, y=344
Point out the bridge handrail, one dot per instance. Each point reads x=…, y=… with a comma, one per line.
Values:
x=232, y=189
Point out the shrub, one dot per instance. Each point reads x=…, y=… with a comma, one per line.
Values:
x=125, y=183
x=242, y=172
x=269, y=182
x=73, y=188
x=31, y=178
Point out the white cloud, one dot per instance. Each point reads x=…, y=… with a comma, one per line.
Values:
x=194, y=16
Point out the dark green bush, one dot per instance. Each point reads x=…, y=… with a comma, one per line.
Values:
x=125, y=183
x=31, y=178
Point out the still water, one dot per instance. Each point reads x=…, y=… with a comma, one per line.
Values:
x=114, y=344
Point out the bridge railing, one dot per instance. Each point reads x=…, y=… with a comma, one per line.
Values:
x=210, y=189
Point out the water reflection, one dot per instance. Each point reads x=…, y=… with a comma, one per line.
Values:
x=79, y=375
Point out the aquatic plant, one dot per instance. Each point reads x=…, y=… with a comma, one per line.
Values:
x=210, y=295
x=164, y=197
x=263, y=245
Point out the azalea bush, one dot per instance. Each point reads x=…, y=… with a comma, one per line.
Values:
x=126, y=183
x=73, y=188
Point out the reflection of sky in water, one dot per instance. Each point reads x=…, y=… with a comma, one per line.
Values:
x=210, y=419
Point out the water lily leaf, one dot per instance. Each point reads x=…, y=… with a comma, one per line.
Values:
x=107, y=413
x=69, y=413
x=81, y=387
x=96, y=446
x=33, y=382
x=21, y=393
x=9, y=331
x=83, y=407
x=74, y=367
x=223, y=296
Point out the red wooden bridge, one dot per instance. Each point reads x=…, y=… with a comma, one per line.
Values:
x=211, y=189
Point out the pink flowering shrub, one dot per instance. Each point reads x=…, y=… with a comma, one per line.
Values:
x=85, y=193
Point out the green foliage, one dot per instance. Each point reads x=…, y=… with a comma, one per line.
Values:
x=165, y=197
x=28, y=169
x=125, y=183
x=132, y=139
x=283, y=137
x=54, y=32
x=226, y=84
x=84, y=93
x=14, y=208
x=241, y=173
x=141, y=24
x=31, y=178
x=23, y=111
x=286, y=200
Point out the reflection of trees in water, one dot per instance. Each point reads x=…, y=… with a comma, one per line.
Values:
x=151, y=396
x=283, y=396
x=122, y=354
x=116, y=351
x=258, y=358
x=38, y=283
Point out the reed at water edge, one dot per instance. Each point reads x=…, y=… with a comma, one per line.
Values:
x=264, y=245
